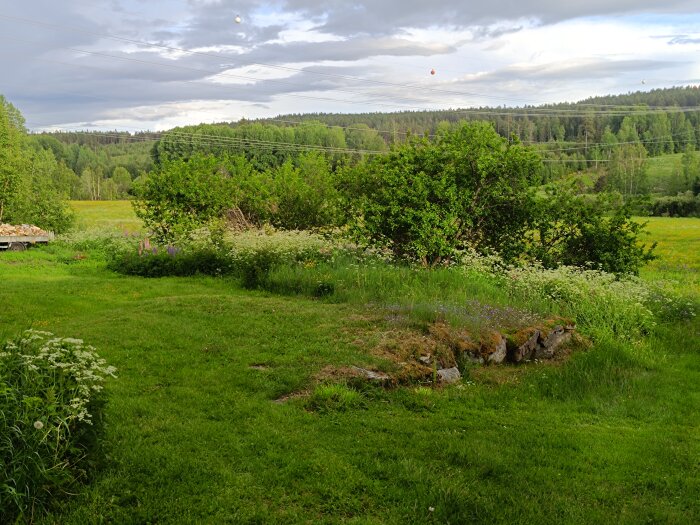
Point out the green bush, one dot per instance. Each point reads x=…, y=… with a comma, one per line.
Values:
x=425, y=200
x=682, y=205
x=170, y=261
x=51, y=407
x=574, y=230
x=256, y=252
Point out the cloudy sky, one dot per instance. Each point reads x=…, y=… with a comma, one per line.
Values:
x=155, y=64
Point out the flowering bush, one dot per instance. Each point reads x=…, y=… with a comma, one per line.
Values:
x=255, y=252
x=51, y=403
x=625, y=305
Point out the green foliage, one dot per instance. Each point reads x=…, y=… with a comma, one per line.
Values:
x=305, y=194
x=426, y=200
x=575, y=231
x=627, y=170
x=52, y=405
x=28, y=193
x=682, y=205
x=181, y=197
x=11, y=176
x=169, y=261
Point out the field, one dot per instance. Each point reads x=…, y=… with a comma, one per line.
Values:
x=202, y=428
x=662, y=168
x=105, y=214
x=678, y=252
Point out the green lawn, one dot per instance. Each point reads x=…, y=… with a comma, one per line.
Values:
x=197, y=435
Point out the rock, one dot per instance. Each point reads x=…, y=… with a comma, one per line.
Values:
x=449, y=375
x=552, y=342
x=371, y=375
x=527, y=349
x=471, y=358
x=425, y=359
x=498, y=355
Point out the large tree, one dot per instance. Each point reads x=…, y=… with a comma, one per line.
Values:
x=27, y=190
x=11, y=128
x=469, y=187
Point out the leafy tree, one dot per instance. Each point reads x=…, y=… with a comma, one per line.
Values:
x=27, y=190
x=575, y=230
x=181, y=197
x=627, y=170
x=470, y=187
x=122, y=180
x=91, y=184
x=11, y=157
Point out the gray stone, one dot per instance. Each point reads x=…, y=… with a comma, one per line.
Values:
x=499, y=355
x=550, y=344
x=371, y=374
x=449, y=375
x=528, y=348
x=425, y=359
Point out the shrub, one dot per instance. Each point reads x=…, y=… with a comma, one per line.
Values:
x=573, y=230
x=171, y=261
x=181, y=197
x=256, y=252
x=427, y=199
x=51, y=402
x=682, y=205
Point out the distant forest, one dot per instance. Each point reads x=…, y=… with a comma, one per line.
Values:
x=570, y=136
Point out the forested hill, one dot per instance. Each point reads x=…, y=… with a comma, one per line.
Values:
x=570, y=136
x=675, y=111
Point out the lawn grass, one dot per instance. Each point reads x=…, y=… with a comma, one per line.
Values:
x=105, y=214
x=198, y=435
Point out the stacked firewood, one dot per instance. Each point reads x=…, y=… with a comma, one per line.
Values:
x=22, y=230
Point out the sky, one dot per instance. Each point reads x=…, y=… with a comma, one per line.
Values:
x=155, y=64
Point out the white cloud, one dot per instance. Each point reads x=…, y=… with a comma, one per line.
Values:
x=330, y=56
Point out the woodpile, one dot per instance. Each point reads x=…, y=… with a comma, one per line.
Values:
x=22, y=230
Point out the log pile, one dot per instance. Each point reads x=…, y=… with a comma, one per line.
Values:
x=22, y=230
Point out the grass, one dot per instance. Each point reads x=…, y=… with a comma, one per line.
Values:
x=105, y=214
x=662, y=168
x=678, y=252
x=198, y=433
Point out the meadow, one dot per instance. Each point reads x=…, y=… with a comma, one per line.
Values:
x=224, y=412
x=678, y=250
x=105, y=214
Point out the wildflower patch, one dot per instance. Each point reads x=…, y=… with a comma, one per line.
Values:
x=52, y=402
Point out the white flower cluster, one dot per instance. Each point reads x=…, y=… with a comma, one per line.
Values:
x=287, y=246
x=593, y=297
x=67, y=360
